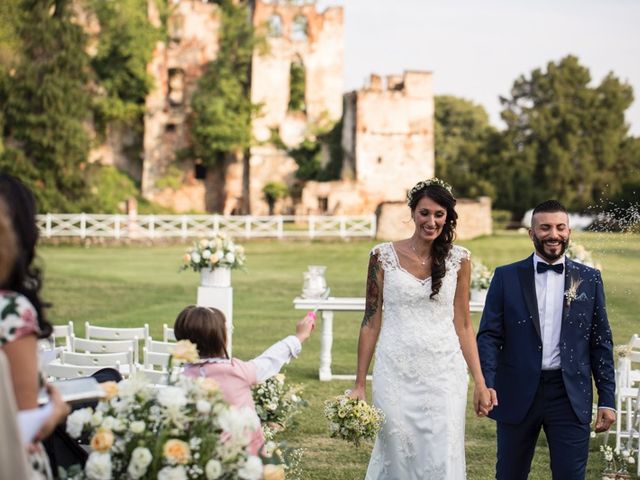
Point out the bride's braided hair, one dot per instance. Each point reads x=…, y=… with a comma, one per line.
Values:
x=442, y=195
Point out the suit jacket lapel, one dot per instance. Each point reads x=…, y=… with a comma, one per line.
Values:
x=527, y=281
x=569, y=273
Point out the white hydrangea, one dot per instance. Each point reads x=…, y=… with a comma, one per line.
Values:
x=213, y=469
x=203, y=406
x=77, y=420
x=172, y=473
x=252, y=469
x=98, y=466
x=137, y=426
x=172, y=397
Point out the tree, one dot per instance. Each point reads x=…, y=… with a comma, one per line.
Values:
x=221, y=106
x=462, y=133
x=44, y=104
x=563, y=137
x=124, y=49
x=272, y=192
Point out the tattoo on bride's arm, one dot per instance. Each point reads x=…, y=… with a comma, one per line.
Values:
x=372, y=300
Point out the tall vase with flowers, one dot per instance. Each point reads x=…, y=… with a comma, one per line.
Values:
x=214, y=258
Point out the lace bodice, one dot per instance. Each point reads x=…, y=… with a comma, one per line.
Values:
x=411, y=319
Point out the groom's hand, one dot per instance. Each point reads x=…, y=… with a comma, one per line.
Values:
x=604, y=419
x=484, y=399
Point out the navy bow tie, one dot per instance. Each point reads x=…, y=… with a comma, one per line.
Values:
x=542, y=267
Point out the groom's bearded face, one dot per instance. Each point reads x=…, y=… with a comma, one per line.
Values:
x=550, y=234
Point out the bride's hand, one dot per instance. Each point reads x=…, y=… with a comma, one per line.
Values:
x=359, y=393
x=482, y=400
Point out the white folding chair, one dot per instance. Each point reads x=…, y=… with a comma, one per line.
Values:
x=116, y=333
x=161, y=347
x=123, y=361
x=58, y=371
x=83, y=345
x=61, y=335
x=155, y=360
x=168, y=335
x=634, y=342
x=628, y=399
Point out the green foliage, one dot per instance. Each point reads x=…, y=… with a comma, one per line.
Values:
x=45, y=102
x=297, y=83
x=110, y=187
x=171, y=179
x=222, y=108
x=308, y=154
x=272, y=192
x=462, y=133
x=308, y=157
x=500, y=219
x=563, y=138
x=125, y=47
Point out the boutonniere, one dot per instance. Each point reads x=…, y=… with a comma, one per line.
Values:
x=571, y=293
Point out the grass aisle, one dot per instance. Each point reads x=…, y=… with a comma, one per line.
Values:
x=130, y=286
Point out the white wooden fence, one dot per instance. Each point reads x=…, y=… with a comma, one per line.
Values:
x=86, y=225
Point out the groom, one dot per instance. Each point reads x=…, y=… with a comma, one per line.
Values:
x=544, y=332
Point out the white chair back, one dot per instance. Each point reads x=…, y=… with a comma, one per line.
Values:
x=83, y=345
x=168, y=334
x=157, y=377
x=155, y=360
x=160, y=347
x=58, y=371
x=61, y=335
x=123, y=361
x=116, y=333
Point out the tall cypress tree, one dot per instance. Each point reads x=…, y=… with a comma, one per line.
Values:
x=45, y=103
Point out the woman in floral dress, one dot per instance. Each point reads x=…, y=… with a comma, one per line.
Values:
x=22, y=319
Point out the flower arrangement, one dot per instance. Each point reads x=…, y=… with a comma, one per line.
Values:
x=352, y=419
x=277, y=403
x=616, y=463
x=481, y=276
x=218, y=251
x=577, y=252
x=184, y=430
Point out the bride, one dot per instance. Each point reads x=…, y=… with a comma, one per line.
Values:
x=420, y=377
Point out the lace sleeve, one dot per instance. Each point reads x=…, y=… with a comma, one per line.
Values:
x=456, y=255
x=385, y=254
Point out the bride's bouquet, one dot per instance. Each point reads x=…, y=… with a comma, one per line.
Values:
x=352, y=419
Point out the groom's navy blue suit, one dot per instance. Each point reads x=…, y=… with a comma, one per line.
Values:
x=560, y=401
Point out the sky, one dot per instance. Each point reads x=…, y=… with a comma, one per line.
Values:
x=476, y=49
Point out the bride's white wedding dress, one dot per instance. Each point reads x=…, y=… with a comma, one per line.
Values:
x=419, y=377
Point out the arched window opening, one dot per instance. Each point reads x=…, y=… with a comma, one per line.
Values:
x=274, y=26
x=297, y=81
x=300, y=27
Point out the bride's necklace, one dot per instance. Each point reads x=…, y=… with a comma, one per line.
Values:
x=422, y=261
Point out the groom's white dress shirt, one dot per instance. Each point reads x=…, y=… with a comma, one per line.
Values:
x=550, y=295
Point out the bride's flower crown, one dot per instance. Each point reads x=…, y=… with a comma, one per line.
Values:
x=427, y=183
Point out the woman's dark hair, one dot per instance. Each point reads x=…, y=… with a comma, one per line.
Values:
x=25, y=278
x=441, y=245
x=205, y=327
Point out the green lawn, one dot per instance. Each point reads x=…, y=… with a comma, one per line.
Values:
x=133, y=285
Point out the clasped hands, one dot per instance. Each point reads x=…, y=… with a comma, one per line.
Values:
x=484, y=399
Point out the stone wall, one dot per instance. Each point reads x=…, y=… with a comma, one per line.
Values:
x=320, y=52
x=387, y=138
x=176, y=67
x=474, y=219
